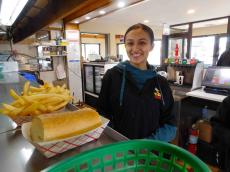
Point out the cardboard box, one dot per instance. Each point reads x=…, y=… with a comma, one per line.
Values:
x=52, y=148
x=205, y=130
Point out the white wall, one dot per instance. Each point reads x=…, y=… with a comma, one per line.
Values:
x=113, y=29
x=48, y=76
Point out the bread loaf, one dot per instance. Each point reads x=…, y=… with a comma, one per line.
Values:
x=63, y=125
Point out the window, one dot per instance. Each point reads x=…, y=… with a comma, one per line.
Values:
x=202, y=49
x=222, y=45
x=210, y=27
x=90, y=52
x=182, y=47
x=122, y=52
x=154, y=56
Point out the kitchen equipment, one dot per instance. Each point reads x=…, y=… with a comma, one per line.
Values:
x=10, y=66
x=198, y=76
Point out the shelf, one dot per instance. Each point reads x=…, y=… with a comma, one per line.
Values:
x=183, y=65
x=58, y=55
x=51, y=45
x=46, y=70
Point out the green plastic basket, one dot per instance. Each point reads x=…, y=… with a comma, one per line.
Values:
x=132, y=156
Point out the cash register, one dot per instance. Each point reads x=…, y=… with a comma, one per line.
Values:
x=217, y=80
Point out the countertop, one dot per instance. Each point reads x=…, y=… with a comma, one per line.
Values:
x=19, y=155
x=200, y=93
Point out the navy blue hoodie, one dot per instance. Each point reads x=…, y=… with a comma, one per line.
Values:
x=136, y=110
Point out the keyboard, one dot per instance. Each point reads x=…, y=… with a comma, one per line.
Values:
x=219, y=91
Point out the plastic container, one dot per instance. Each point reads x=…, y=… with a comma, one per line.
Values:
x=29, y=76
x=135, y=155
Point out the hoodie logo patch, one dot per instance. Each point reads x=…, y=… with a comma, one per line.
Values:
x=157, y=94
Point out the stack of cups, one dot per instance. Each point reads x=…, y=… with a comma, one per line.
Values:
x=179, y=78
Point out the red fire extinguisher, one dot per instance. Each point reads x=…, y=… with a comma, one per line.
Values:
x=193, y=139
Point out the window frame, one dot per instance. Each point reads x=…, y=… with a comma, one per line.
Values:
x=189, y=36
x=89, y=44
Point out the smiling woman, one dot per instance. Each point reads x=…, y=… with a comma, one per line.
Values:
x=139, y=42
x=137, y=101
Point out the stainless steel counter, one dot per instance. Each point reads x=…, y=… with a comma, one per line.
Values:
x=19, y=155
x=9, y=81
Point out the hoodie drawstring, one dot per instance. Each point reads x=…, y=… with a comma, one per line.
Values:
x=122, y=85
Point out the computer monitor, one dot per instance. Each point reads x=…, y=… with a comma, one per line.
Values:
x=217, y=77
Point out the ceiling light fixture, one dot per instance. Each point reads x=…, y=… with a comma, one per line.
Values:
x=146, y=21
x=87, y=18
x=10, y=9
x=121, y=4
x=102, y=12
x=76, y=21
x=191, y=11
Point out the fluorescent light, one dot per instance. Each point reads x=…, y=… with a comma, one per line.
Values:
x=146, y=21
x=102, y=12
x=121, y=4
x=191, y=11
x=76, y=21
x=10, y=9
x=87, y=18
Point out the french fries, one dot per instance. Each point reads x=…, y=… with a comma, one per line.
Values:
x=36, y=100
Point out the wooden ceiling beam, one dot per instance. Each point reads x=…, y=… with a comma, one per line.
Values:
x=88, y=7
x=25, y=10
x=54, y=10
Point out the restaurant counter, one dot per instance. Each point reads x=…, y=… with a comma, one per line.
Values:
x=17, y=154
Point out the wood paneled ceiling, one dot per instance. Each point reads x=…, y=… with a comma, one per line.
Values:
x=38, y=14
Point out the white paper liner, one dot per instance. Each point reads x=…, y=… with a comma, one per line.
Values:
x=52, y=148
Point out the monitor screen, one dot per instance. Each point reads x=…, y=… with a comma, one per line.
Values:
x=218, y=77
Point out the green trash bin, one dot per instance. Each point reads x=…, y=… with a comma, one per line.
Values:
x=132, y=156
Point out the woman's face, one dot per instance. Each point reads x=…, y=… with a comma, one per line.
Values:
x=138, y=45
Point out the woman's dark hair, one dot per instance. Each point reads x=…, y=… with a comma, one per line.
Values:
x=143, y=27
